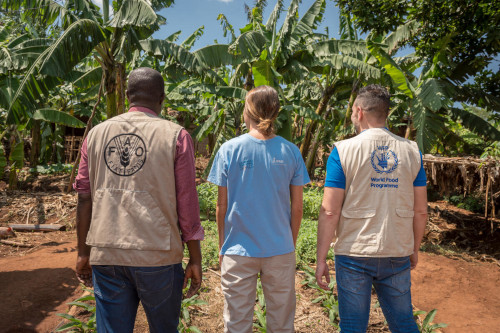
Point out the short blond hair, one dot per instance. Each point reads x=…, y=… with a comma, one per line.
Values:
x=262, y=105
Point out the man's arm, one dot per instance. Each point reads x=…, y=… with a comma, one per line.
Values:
x=296, y=202
x=193, y=268
x=188, y=209
x=419, y=221
x=83, y=218
x=329, y=216
x=220, y=216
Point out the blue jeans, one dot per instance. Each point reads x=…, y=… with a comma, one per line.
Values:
x=391, y=279
x=118, y=290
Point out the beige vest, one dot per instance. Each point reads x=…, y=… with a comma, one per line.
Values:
x=377, y=213
x=134, y=209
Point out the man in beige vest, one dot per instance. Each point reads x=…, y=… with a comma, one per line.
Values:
x=375, y=204
x=137, y=206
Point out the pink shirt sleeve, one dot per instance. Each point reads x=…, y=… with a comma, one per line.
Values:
x=82, y=181
x=188, y=208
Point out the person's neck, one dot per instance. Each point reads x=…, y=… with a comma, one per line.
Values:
x=258, y=135
x=153, y=108
x=365, y=126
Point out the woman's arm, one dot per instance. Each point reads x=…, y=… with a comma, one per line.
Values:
x=220, y=216
x=296, y=193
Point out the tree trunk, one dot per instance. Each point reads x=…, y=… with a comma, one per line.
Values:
x=311, y=158
x=323, y=103
x=347, y=119
x=121, y=81
x=35, y=144
x=110, y=88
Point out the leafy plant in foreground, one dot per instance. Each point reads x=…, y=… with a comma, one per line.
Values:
x=260, y=309
x=327, y=298
x=207, y=196
x=185, y=318
x=426, y=326
x=75, y=324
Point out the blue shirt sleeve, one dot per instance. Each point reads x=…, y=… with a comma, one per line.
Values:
x=335, y=176
x=421, y=179
x=218, y=173
x=300, y=175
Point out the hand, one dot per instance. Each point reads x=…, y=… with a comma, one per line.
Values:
x=220, y=260
x=84, y=271
x=323, y=270
x=193, y=273
x=414, y=260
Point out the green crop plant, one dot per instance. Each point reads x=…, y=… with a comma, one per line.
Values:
x=260, y=309
x=305, y=248
x=76, y=325
x=426, y=325
x=327, y=298
x=185, y=318
x=207, y=196
x=50, y=169
x=210, y=246
x=313, y=196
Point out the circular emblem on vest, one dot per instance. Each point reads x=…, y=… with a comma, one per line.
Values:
x=384, y=160
x=125, y=154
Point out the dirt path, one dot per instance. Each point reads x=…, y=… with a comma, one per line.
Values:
x=466, y=294
x=36, y=286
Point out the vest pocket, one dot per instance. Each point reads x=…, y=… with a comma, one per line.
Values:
x=404, y=212
x=357, y=230
x=359, y=214
x=127, y=219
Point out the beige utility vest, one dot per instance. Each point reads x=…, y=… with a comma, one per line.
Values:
x=377, y=213
x=134, y=208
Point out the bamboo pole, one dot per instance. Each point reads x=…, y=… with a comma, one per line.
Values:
x=87, y=129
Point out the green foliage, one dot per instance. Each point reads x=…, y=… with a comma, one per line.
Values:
x=313, y=196
x=493, y=151
x=305, y=248
x=471, y=202
x=75, y=324
x=50, y=169
x=326, y=298
x=260, y=309
x=3, y=160
x=426, y=326
x=207, y=196
x=58, y=117
x=185, y=318
x=210, y=245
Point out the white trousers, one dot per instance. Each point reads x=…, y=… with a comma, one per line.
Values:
x=239, y=283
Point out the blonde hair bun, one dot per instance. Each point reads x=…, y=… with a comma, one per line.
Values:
x=262, y=105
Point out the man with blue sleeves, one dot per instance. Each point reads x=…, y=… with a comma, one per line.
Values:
x=375, y=204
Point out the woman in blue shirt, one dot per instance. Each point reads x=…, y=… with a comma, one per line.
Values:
x=260, y=178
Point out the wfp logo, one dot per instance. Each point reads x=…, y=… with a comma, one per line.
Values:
x=384, y=160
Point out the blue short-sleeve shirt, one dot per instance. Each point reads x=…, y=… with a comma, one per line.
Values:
x=335, y=176
x=258, y=175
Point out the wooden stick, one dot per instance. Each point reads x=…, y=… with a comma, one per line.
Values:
x=38, y=227
x=211, y=270
x=87, y=129
x=486, y=197
x=11, y=243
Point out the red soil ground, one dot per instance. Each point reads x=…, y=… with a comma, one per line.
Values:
x=36, y=286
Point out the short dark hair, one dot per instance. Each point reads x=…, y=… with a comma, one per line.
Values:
x=374, y=98
x=145, y=85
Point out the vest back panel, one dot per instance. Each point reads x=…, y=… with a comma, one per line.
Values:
x=377, y=213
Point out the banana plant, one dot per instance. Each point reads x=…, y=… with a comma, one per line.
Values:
x=429, y=101
x=84, y=32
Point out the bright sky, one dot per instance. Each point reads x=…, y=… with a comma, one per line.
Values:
x=189, y=15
